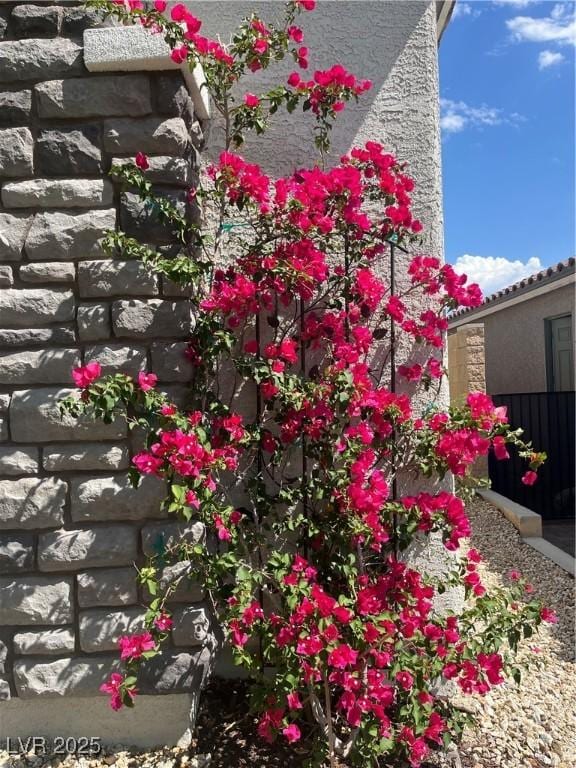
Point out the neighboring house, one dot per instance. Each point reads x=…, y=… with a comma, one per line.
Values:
x=72, y=99
x=519, y=347
x=528, y=331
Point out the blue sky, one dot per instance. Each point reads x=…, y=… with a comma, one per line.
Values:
x=507, y=87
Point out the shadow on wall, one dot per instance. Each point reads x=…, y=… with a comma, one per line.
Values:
x=368, y=38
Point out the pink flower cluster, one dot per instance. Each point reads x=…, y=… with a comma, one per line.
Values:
x=114, y=687
x=329, y=89
x=86, y=375
x=365, y=674
x=187, y=453
x=134, y=646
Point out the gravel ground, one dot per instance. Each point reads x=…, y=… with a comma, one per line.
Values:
x=532, y=725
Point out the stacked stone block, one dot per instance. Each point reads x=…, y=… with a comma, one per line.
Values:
x=467, y=371
x=71, y=527
x=466, y=363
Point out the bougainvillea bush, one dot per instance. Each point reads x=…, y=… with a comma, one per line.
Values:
x=302, y=492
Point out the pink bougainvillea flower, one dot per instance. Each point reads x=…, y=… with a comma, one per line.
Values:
x=405, y=680
x=269, y=443
x=343, y=656
x=237, y=634
x=548, y=615
x=133, y=646
x=86, y=375
x=499, y=447
x=268, y=390
x=179, y=12
x=291, y=733
x=474, y=556
x=160, y=5
x=302, y=57
x=192, y=499
x=236, y=516
x=113, y=687
x=307, y=5
x=251, y=100
x=260, y=46
x=295, y=33
x=529, y=478
x=221, y=530
x=294, y=80
x=142, y=161
x=163, y=622
x=147, y=381
x=147, y=464
x=293, y=701
x=180, y=54
x=342, y=614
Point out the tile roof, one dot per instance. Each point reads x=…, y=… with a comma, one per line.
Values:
x=526, y=285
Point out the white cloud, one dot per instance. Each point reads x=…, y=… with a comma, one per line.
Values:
x=514, y=3
x=452, y=123
x=549, y=59
x=464, y=9
x=493, y=273
x=457, y=115
x=558, y=27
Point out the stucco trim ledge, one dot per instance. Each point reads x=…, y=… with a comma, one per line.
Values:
x=135, y=49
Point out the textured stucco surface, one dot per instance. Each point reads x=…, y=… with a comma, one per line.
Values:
x=392, y=43
x=515, y=342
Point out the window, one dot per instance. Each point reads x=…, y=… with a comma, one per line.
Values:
x=559, y=353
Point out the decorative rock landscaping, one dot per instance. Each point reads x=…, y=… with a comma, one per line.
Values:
x=532, y=724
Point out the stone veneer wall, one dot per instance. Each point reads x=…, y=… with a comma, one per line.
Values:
x=466, y=371
x=466, y=365
x=71, y=527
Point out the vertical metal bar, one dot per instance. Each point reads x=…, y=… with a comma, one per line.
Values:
x=392, y=322
x=393, y=390
x=258, y=332
x=304, y=481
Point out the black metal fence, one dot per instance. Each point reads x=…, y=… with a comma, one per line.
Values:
x=547, y=419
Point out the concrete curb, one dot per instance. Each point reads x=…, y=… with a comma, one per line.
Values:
x=562, y=559
x=529, y=525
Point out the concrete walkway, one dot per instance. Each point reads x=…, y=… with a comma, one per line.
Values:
x=561, y=533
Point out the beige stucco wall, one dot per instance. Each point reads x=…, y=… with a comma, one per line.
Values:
x=392, y=43
x=515, y=342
